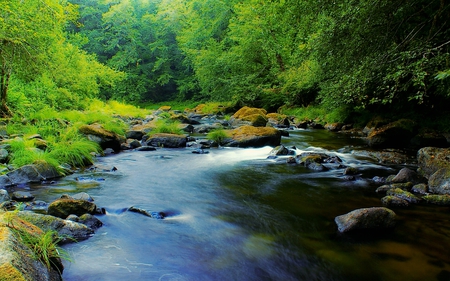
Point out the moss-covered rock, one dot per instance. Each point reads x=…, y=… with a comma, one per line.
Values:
x=249, y=116
x=62, y=208
x=393, y=201
x=431, y=159
x=405, y=195
x=395, y=134
x=250, y=136
x=439, y=182
x=278, y=120
x=441, y=200
x=105, y=138
x=16, y=259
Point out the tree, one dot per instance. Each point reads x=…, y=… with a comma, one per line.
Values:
x=28, y=28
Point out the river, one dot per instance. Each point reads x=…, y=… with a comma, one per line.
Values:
x=236, y=215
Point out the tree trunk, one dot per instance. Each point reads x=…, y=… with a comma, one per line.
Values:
x=5, y=74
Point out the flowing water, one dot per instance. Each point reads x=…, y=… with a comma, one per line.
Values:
x=236, y=215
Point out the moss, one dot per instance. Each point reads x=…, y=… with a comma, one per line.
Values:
x=165, y=108
x=10, y=273
x=276, y=116
x=247, y=111
x=96, y=130
x=246, y=132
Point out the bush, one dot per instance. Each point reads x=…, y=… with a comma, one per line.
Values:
x=167, y=127
x=218, y=136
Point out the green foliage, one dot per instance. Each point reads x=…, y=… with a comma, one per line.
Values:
x=167, y=126
x=77, y=153
x=24, y=153
x=217, y=135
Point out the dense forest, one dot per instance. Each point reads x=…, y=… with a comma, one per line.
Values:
x=344, y=56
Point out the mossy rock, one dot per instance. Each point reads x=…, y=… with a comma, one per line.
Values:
x=405, y=195
x=432, y=159
x=105, y=138
x=250, y=136
x=392, y=135
x=62, y=208
x=441, y=200
x=439, y=182
x=249, y=116
x=16, y=259
x=165, y=108
x=366, y=218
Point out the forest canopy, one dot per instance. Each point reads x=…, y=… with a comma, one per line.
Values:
x=345, y=54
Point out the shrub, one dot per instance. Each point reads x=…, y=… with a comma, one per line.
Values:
x=217, y=135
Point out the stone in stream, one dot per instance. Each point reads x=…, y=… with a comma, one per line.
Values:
x=155, y=215
x=62, y=208
x=405, y=195
x=366, y=218
x=22, y=196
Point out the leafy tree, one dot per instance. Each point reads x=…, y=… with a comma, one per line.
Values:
x=27, y=29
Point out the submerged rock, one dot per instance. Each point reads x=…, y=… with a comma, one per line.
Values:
x=366, y=218
x=155, y=215
x=393, y=201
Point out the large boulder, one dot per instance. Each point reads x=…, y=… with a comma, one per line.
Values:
x=69, y=230
x=16, y=259
x=439, y=182
x=249, y=116
x=432, y=159
x=62, y=208
x=105, y=138
x=34, y=173
x=366, y=218
x=392, y=135
x=167, y=140
x=250, y=136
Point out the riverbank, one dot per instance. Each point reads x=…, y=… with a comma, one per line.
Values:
x=248, y=127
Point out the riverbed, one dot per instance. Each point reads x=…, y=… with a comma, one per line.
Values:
x=234, y=214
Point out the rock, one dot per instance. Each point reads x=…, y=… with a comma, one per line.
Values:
x=376, y=123
x=255, y=117
x=278, y=120
x=431, y=159
x=133, y=134
x=387, y=156
x=78, y=196
x=405, y=175
x=4, y=196
x=405, y=195
x=351, y=171
x=167, y=140
x=439, y=182
x=199, y=151
x=5, y=181
x=69, y=230
x=88, y=220
x=34, y=173
x=441, y=200
x=334, y=127
x=420, y=188
x=16, y=259
x=279, y=150
x=22, y=196
x=366, y=218
x=155, y=215
x=105, y=138
x=62, y=208
x=3, y=155
x=429, y=139
x=314, y=160
x=384, y=188
x=146, y=148
x=393, y=201
x=392, y=135
x=249, y=136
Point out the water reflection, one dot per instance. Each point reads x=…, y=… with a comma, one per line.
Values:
x=240, y=216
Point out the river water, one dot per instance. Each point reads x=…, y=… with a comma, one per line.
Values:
x=236, y=215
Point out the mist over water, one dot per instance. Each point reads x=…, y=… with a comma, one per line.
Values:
x=233, y=214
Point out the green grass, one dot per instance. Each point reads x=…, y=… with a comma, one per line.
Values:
x=76, y=153
x=217, y=135
x=164, y=126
